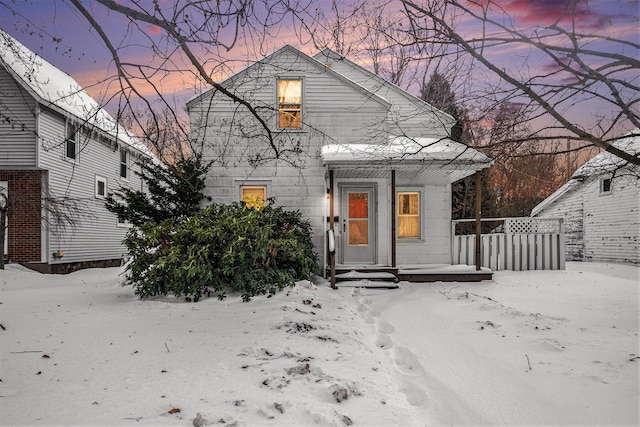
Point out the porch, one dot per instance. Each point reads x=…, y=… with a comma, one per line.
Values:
x=505, y=244
x=389, y=210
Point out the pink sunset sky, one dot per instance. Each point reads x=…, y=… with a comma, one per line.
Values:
x=58, y=33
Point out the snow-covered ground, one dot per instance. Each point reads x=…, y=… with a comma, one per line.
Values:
x=551, y=347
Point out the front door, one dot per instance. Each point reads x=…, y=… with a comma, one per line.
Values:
x=358, y=224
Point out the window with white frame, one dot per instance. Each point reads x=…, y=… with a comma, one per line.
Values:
x=121, y=222
x=290, y=103
x=253, y=191
x=72, y=142
x=101, y=186
x=605, y=185
x=409, y=217
x=124, y=163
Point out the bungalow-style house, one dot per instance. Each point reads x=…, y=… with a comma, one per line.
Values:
x=60, y=155
x=349, y=150
x=600, y=206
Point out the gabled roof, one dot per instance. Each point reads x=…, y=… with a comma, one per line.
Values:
x=370, y=76
x=290, y=49
x=604, y=162
x=57, y=90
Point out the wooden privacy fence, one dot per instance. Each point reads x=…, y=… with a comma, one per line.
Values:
x=512, y=244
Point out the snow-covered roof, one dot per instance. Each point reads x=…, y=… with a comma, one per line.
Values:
x=56, y=89
x=604, y=162
x=607, y=162
x=408, y=150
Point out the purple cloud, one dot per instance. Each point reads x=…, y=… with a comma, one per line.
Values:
x=580, y=13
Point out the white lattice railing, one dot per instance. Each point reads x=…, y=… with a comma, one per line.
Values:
x=513, y=244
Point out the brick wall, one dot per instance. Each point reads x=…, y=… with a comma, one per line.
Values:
x=24, y=233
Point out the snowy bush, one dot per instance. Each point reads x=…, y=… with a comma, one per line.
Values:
x=224, y=247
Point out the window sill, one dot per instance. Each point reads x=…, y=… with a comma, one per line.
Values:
x=75, y=161
x=409, y=240
x=291, y=130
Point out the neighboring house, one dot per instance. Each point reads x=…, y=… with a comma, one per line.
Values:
x=346, y=138
x=600, y=206
x=60, y=155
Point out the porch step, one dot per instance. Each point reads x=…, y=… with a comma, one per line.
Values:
x=355, y=275
x=417, y=273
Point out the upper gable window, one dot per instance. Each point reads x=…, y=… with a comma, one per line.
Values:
x=605, y=186
x=71, y=141
x=290, y=103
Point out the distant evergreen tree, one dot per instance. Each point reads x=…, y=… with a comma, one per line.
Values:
x=173, y=191
x=438, y=93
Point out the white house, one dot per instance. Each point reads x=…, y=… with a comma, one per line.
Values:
x=344, y=144
x=60, y=155
x=600, y=206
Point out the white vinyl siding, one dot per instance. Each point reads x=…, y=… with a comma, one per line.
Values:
x=407, y=116
x=434, y=245
x=97, y=236
x=333, y=111
x=600, y=229
x=612, y=224
x=17, y=125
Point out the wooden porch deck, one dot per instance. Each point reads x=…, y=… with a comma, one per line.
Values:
x=412, y=273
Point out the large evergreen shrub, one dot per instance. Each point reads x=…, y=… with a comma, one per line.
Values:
x=172, y=191
x=222, y=248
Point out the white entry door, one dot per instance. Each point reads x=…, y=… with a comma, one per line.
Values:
x=358, y=224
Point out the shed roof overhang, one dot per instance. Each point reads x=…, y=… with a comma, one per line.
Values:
x=423, y=161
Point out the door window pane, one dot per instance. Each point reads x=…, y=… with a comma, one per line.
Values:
x=358, y=205
x=358, y=232
x=358, y=218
